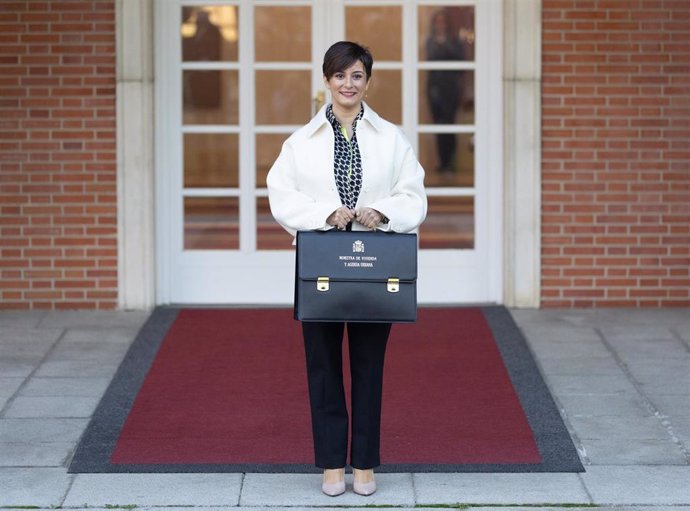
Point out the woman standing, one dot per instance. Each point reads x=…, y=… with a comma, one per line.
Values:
x=351, y=170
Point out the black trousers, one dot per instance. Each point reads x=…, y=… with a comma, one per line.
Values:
x=323, y=346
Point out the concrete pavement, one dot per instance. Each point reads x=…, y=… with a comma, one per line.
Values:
x=621, y=379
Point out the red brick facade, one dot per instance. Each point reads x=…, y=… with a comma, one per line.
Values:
x=616, y=153
x=58, y=217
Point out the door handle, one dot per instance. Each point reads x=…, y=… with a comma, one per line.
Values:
x=318, y=101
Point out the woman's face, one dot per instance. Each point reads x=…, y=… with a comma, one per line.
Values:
x=348, y=87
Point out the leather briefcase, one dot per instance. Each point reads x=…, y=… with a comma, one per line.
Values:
x=356, y=276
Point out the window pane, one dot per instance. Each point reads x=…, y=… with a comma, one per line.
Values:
x=283, y=97
x=446, y=97
x=447, y=158
x=282, y=34
x=449, y=223
x=211, y=160
x=379, y=28
x=269, y=234
x=211, y=223
x=446, y=33
x=209, y=33
x=267, y=150
x=210, y=97
x=385, y=95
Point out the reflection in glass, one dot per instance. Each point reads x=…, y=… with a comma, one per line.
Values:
x=269, y=234
x=378, y=28
x=460, y=171
x=211, y=160
x=446, y=97
x=267, y=150
x=282, y=34
x=211, y=223
x=449, y=223
x=210, y=97
x=446, y=33
x=385, y=94
x=209, y=33
x=283, y=97
x=452, y=154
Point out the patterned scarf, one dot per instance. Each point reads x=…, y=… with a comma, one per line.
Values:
x=347, y=161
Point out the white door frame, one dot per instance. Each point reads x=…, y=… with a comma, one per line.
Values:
x=135, y=48
x=454, y=266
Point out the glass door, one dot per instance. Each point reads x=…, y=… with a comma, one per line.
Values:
x=240, y=76
x=437, y=75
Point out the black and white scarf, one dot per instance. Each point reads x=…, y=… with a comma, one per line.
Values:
x=347, y=161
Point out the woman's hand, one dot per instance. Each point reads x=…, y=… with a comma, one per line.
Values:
x=368, y=217
x=341, y=217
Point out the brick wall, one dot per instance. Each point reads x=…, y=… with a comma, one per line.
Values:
x=616, y=153
x=616, y=156
x=58, y=239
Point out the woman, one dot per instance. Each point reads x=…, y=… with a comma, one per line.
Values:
x=346, y=169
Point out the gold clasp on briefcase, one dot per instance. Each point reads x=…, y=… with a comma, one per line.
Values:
x=393, y=285
x=322, y=284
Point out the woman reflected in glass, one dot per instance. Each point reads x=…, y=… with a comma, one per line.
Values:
x=444, y=87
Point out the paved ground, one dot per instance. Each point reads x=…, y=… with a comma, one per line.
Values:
x=621, y=378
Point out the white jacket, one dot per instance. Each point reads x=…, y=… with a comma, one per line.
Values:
x=301, y=184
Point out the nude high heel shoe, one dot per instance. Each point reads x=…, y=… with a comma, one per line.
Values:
x=334, y=489
x=364, y=488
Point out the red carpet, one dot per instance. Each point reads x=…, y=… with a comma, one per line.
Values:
x=229, y=386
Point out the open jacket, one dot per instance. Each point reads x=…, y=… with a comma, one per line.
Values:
x=301, y=184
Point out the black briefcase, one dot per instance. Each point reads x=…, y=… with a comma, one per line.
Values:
x=357, y=276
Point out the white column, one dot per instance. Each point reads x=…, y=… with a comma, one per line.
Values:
x=135, y=143
x=522, y=149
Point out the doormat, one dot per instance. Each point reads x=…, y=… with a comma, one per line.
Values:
x=225, y=390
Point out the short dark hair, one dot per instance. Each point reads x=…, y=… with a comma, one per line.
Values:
x=344, y=54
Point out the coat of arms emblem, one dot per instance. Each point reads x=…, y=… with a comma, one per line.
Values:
x=358, y=246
